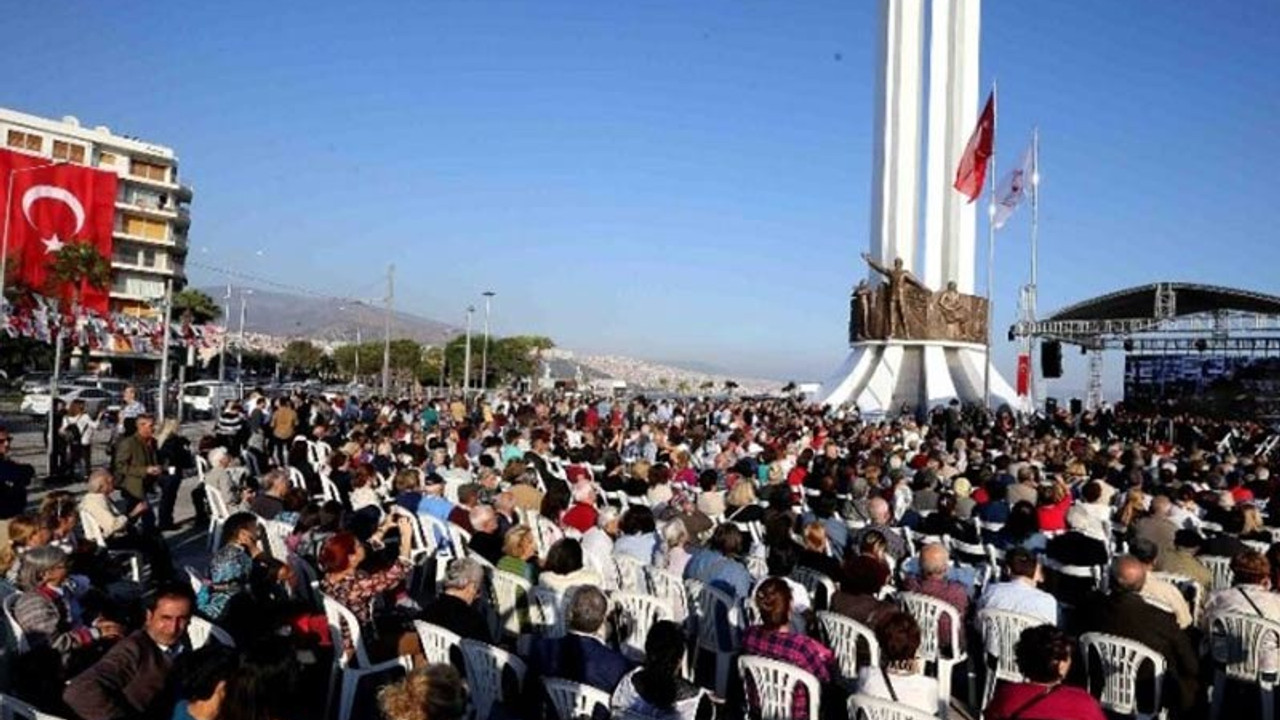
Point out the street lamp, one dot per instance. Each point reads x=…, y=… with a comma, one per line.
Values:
x=240, y=342
x=8, y=207
x=484, y=354
x=466, y=363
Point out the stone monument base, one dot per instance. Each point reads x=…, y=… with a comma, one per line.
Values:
x=882, y=377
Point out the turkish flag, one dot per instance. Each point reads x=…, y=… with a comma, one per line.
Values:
x=1024, y=374
x=51, y=205
x=972, y=173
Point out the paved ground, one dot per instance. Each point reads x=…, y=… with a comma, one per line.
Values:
x=188, y=542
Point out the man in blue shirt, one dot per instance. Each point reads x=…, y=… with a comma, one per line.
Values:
x=718, y=565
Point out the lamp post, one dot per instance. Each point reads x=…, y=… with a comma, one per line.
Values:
x=484, y=353
x=466, y=362
x=8, y=207
x=226, y=324
x=240, y=342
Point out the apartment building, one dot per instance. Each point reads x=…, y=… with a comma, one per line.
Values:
x=152, y=207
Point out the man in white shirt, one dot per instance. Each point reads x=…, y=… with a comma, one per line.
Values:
x=1020, y=593
x=597, y=543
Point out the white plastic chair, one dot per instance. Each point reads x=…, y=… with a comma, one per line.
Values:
x=631, y=576
x=275, y=533
x=769, y=687
x=199, y=631
x=866, y=707
x=1000, y=631
x=484, y=665
x=1120, y=660
x=638, y=614
x=12, y=708
x=1220, y=567
x=821, y=588
x=297, y=479
x=93, y=533
x=546, y=611
x=218, y=513
x=669, y=587
x=202, y=467
x=460, y=539
x=716, y=611
x=19, y=635
x=574, y=700
x=350, y=667
x=927, y=610
x=1191, y=591
x=509, y=592
x=436, y=642
x=843, y=635
x=328, y=490
x=1237, y=643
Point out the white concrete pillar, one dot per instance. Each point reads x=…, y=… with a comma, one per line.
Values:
x=895, y=172
x=954, y=28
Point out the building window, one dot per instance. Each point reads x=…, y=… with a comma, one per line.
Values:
x=147, y=170
x=149, y=258
x=68, y=151
x=145, y=228
x=106, y=159
x=25, y=141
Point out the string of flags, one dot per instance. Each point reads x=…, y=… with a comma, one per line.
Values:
x=37, y=319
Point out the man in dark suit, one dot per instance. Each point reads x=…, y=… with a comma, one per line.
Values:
x=132, y=679
x=580, y=655
x=1124, y=613
x=14, y=480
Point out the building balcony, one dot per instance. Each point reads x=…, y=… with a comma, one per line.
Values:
x=148, y=208
x=163, y=269
x=184, y=193
x=183, y=216
x=149, y=182
x=144, y=240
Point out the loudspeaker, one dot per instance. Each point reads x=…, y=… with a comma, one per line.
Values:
x=1051, y=359
x=1050, y=406
x=1077, y=406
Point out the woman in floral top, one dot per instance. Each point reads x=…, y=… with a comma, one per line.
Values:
x=344, y=581
x=230, y=568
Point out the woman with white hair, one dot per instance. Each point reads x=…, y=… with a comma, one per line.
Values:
x=673, y=553
x=47, y=610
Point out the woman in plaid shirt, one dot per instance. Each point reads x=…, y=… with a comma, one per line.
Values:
x=774, y=639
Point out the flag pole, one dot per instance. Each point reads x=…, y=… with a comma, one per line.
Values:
x=991, y=251
x=1033, y=295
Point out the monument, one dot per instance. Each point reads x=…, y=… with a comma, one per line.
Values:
x=919, y=341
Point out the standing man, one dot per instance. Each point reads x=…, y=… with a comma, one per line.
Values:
x=137, y=467
x=284, y=423
x=14, y=480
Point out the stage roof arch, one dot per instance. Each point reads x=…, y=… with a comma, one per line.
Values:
x=1143, y=301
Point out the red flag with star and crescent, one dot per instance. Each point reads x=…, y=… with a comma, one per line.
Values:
x=52, y=205
x=972, y=173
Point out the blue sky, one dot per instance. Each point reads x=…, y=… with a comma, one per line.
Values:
x=667, y=179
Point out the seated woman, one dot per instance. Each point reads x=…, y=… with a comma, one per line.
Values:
x=813, y=554
x=435, y=692
x=1022, y=529
x=900, y=677
x=356, y=588
x=741, y=504
x=658, y=689
x=519, y=553
x=226, y=600
x=639, y=537
x=60, y=642
x=774, y=639
x=26, y=532
x=316, y=523
x=858, y=598
x=564, y=567
x=1044, y=658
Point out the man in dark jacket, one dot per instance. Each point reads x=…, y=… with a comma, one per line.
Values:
x=14, y=479
x=455, y=610
x=1124, y=613
x=132, y=679
x=580, y=655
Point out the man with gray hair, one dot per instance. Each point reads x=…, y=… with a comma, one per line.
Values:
x=269, y=501
x=581, y=655
x=582, y=515
x=934, y=564
x=455, y=610
x=880, y=517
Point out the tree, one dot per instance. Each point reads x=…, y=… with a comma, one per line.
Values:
x=301, y=356
x=789, y=388
x=196, y=305
x=682, y=387
x=730, y=386
x=707, y=385
x=77, y=264
x=510, y=359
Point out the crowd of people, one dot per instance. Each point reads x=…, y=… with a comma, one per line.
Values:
x=763, y=529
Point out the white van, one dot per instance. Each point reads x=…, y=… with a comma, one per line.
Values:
x=205, y=398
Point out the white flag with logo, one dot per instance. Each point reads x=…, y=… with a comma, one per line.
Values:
x=1013, y=187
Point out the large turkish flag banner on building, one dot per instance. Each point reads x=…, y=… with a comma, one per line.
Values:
x=51, y=205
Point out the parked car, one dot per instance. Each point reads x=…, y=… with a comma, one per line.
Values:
x=96, y=400
x=205, y=398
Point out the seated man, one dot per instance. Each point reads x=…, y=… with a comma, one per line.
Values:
x=130, y=681
x=1020, y=593
x=932, y=581
x=486, y=541
x=581, y=655
x=1123, y=612
x=270, y=502
x=455, y=609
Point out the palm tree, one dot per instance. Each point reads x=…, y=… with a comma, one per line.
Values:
x=196, y=305
x=75, y=265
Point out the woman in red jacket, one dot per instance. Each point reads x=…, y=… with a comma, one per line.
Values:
x=1044, y=658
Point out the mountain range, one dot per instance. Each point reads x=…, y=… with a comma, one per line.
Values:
x=328, y=319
